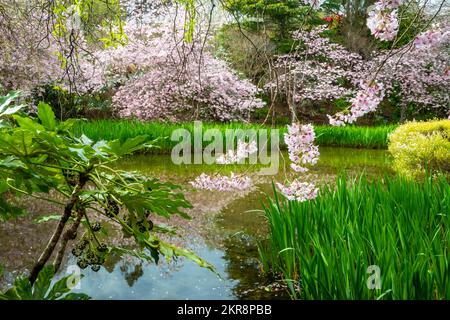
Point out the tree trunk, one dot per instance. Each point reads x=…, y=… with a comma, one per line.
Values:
x=68, y=235
x=403, y=113
x=46, y=254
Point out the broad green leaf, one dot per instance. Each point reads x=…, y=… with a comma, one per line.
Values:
x=11, y=110
x=11, y=162
x=129, y=146
x=3, y=186
x=11, y=294
x=47, y=218
x=60, y=288
x=170, y=251
x=80, y=152
x=47, y=116
x=28, y=124
x=23, y=288
x=85, y=140
x=67, y=125
x=99, y=148
x=10, y=97
x=43, y=282
x=5, y=101
x=8, y=211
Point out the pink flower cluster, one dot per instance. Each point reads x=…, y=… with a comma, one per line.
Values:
x=243, y=151
x=299, y=191
x=432, y=38
x=162, y=77
x=383, y=20
x=418, y=75
x=302, y=151
x=316, y=70
x=219, y=182
x=322, y=71
x=301, y=148
x=366, y=100
x=27, y=54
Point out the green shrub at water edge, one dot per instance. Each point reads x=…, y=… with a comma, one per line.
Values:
x=323, y=248
x=420, y=146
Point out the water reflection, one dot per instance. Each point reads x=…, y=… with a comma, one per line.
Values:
x=224, y=230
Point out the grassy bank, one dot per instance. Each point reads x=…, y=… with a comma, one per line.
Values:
x=401, y=226
x=358, y=137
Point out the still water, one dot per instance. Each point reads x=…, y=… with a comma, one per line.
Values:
x=224, y=230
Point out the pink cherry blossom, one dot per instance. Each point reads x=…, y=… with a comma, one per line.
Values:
x=366, y=100
x=298, y=191
x=301, y=148
x=383, y=19
x=323, y=71
x=302, y=151
x=219, y=182
x=383, y=24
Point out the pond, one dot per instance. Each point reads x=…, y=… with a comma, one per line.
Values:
x=224, y=230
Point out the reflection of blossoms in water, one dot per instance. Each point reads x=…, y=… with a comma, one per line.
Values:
x=219, y=182
x=233, y=182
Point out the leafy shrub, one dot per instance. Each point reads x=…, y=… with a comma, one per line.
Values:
x=62, y=102
x=40, y=155
x=420, y=146
x=66, y=105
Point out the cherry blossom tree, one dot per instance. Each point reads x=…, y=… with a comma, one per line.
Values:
x=320, y=70
x=167, y=91
x=418, y=73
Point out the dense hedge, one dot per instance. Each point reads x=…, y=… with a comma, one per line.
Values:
x=421, y=146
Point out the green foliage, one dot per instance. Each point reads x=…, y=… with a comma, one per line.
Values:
x=5, y=105
x=250, y=58
x=420, y=146
x=40, y=155
x=349, y=136
x=7, y=210
x=43, y=289
x=284, y=13
x=354, y=136
x=322, y=248
x=68, y=105
x=98, y=19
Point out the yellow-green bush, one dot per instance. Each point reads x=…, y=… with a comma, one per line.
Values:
x=420, y=146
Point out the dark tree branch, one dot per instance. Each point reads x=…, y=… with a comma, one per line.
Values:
x=51, y=245
x=68, y=235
